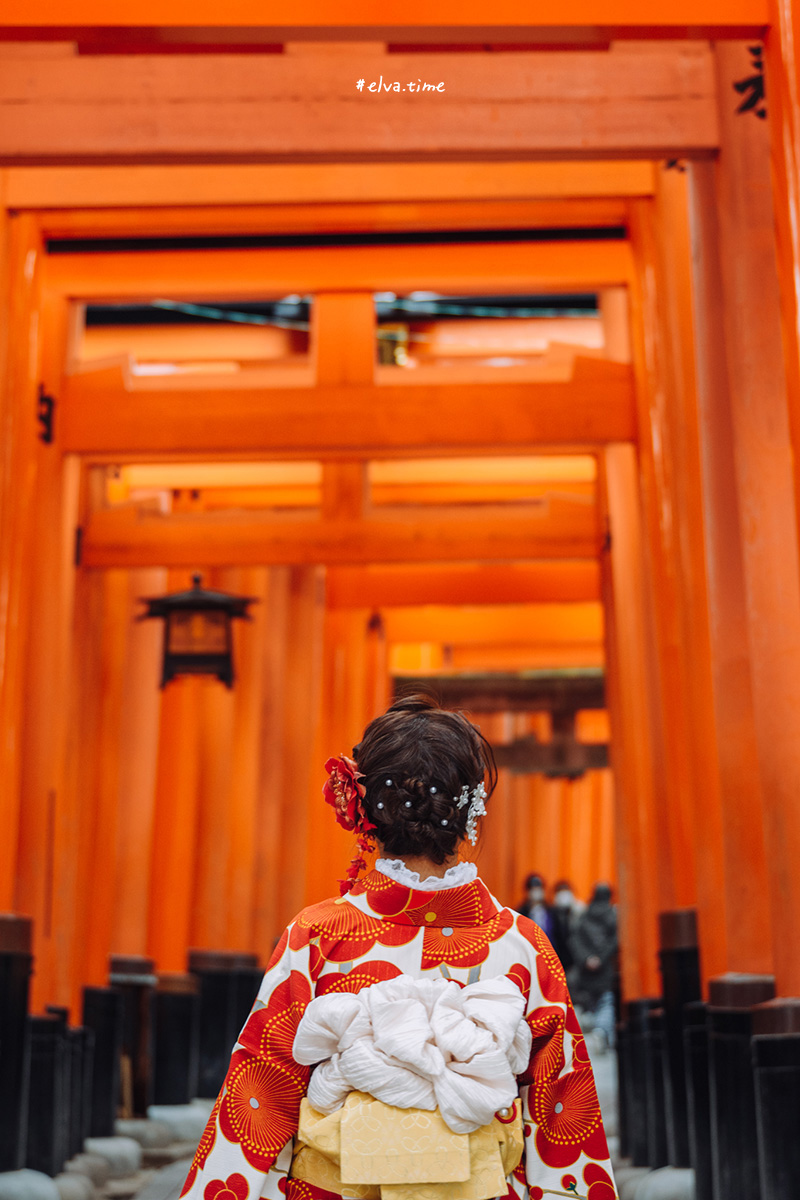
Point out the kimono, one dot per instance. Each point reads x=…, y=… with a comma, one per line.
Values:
x=381, y=929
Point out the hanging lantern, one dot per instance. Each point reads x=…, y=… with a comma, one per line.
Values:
x=197, y=631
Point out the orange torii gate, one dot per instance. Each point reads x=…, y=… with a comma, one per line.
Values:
x=696, y=480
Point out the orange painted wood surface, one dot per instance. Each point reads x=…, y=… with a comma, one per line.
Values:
x=138, y=768
x=524, y=656
x=746, y=909
x=691, y=725
x=173, y=870
x=83, y=196
x=101, y=415
x=343, y=338
x=102, y=776
x=468, y=583
x=554, y=104
x=391, y=497
x=243, y=785
x=298, y=802
x=561, y=529
x=77, y=814
x=572, y=202
x=46, y=806
x=783, y=80
x=659, y=313
x=452, y=269
x=214, y=849
x=765, y=471
x=348, y=704
x=20, y=279
x=466, y=625
x=643, y=852
x=321, y=19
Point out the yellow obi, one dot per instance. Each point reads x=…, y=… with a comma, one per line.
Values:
x=369, y=1150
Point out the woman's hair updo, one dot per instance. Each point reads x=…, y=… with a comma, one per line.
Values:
x=415, y=760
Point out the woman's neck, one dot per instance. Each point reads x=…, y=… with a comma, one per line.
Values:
x=424, y=867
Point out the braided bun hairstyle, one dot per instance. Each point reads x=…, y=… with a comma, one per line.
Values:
x=416, y=758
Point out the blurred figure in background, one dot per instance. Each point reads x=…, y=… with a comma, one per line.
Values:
x=564, y=913
x=534, y=906
x=594, y=949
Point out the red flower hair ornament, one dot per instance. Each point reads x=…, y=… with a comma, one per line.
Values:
x=345, y=793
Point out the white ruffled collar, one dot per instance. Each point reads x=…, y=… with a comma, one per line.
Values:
x=463, y=872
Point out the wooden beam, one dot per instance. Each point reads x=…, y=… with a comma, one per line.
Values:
x=452, y=269
x=471, y=340
x=554, y=104
x=125, y=537
x=472, y=21
x=587, y=212
x=526, y=656
x=320, y=196
x=539, y=692
x=101, y=416
x=485, y=625
x=557, y=759
x=467, y=583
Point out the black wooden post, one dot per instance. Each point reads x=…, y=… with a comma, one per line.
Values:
x=134, y=979
x=734, y=1142
x=680, y=972
x=102, y=1016
x=698, y=1095
x=64, y=1106
x=177, y=1039
x=78, y=1080
x=83, y=1060
x=655, y=1038
x=48, y=1125
x=624, y=1087
x=776, y=1061
x=221, y=1018
x=15, y=968
x=640, y=1079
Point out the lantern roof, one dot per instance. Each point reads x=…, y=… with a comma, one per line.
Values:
x=198, y=599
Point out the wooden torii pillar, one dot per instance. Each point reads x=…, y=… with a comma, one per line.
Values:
x=751, y=426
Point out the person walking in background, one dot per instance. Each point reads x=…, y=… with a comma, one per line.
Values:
x=534, y=906
x=594, y=949
x=564, y=913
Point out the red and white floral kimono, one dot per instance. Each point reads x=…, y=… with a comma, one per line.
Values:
x=381, y=929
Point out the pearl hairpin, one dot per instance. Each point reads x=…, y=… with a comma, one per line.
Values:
x=432, y=791
x=388, y=783
x=408, y=804
x=444, y=820
x=379, y=804
x=477, y=808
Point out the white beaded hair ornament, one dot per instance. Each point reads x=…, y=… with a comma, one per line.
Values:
x=477, y=808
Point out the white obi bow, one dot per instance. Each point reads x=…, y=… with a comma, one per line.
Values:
x=418, y=1043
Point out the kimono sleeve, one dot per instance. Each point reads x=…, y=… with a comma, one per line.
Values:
x=565, y=1143
x=246, y=1147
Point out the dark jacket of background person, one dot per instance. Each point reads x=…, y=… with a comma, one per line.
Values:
x=594, y=948
x=534, y=906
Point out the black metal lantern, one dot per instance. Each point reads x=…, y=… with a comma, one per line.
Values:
x=197, y=631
